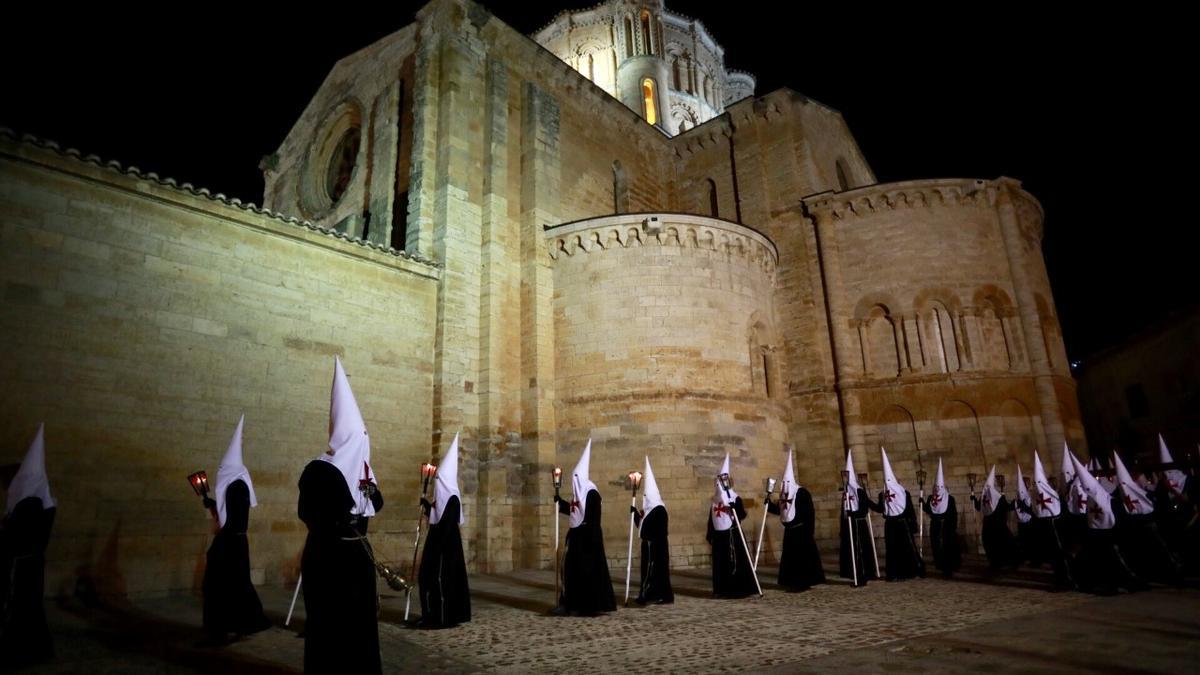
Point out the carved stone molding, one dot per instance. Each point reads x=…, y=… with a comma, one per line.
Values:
x=680, y=230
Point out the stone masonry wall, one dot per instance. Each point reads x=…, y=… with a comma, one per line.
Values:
x=140, y=320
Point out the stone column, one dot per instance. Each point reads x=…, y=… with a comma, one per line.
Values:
x=1039, y=363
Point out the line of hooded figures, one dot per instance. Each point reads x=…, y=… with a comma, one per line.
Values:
x=1099, y=531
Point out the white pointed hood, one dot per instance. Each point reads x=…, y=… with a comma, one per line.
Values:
x=1099, y=503
x=1176, y=479
x=895, y=497
x=722, y=502
x=233, y=469
x=445, y=486
x=939, y=501
x=787, y=493
x=349, y=441
x=1133, y=497
x=1023, y=497
x=1109, y=483
x=651, y=498
x=1046, y=503
x=581, y=485
x=991, y=495
x=1076, y=496
x=850, y=499
x=31, y=480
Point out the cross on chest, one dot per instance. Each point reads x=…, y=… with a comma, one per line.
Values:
x=575, y=504
x=889, y=496
x=784, y=502
x=1131, y=504
x=1044, y=501
x=721, y=508
x=936, y=498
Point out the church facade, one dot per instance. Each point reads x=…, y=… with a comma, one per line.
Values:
x=599, y=232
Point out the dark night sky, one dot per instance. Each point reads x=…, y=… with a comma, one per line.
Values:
x=1087, y=111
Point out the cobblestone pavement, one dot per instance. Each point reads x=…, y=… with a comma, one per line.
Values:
x=973, y=622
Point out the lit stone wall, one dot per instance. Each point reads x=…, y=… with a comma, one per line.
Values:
x=665, y=338
x=140, y=320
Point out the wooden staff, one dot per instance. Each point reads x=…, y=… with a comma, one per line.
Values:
x=556, y=477
x=635, y=479
x=742, y=535
x=295, y=594
x=849, y=524
x=870, y=528
x=427, y=471
x=762, y=530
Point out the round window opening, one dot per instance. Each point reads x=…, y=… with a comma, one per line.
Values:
x=341, y=164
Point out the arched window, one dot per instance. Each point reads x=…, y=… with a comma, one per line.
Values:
x=628, y=38
x=620, y=188
x=713, y=209
x=647, y=47
x=675, y=74
x=591, y=68
x=649, y=102
x=691, y=74
x=842, y=176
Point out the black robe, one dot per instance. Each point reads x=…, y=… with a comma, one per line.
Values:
x=1101, y=567
x=732, y=576
x=998, y=541
x=943, y=537
x=861, y=557
x=586, y=584
x=24, y=636
x=1027, y=551
x=901, y=558
x=1143, y=548
x=341, y=629
x=800, y=562
x=445, y=595
x=656, y=557
x=1047, y=546
x=231, y=604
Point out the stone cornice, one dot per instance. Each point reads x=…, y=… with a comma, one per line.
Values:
x=944, y=192
x=48, y=154
x=672, y=229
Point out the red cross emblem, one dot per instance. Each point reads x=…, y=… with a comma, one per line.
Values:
x=890, y=496
x=784, y=502
x=936, y=498
x=1044, y=500
x=1130, y=504
x=1096, y=508
x=1080, y=500
x=574, y=504
x=721, y=508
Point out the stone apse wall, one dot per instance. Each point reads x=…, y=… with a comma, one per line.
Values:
x=140, y=319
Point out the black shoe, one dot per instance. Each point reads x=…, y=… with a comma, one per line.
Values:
x=560, y=610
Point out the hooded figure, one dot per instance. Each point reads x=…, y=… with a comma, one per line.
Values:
x=1101, y=567
x=899, y=526
x=1074, y=521
x=856, y=555
x=943, y=526
x=732, y=575
x=998, y=541
x=445, y=595
x=656, y=553
x=1137, y=532
x=1175, y=509
x=28, y=517
x=800, y=561
x=1046, y=540
x=586, y=583
x=231, y=604
x=1108, y=482
x=1024, y=509
x=338, y=493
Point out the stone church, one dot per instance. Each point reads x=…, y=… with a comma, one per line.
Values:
x=597, y=231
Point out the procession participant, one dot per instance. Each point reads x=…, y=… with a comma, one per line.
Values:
x=800, y=561
x=733, y=575
x=586, y=583
x=652, y=523
x=231, y=604
x=445, y=594
x=1047, y=509
x=943, y=526
x=856, y=557
x=998, y=542
x=1137, y=533
x=338, y=496
x=899, y=525
x=28, y=517
x=1101, y=567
